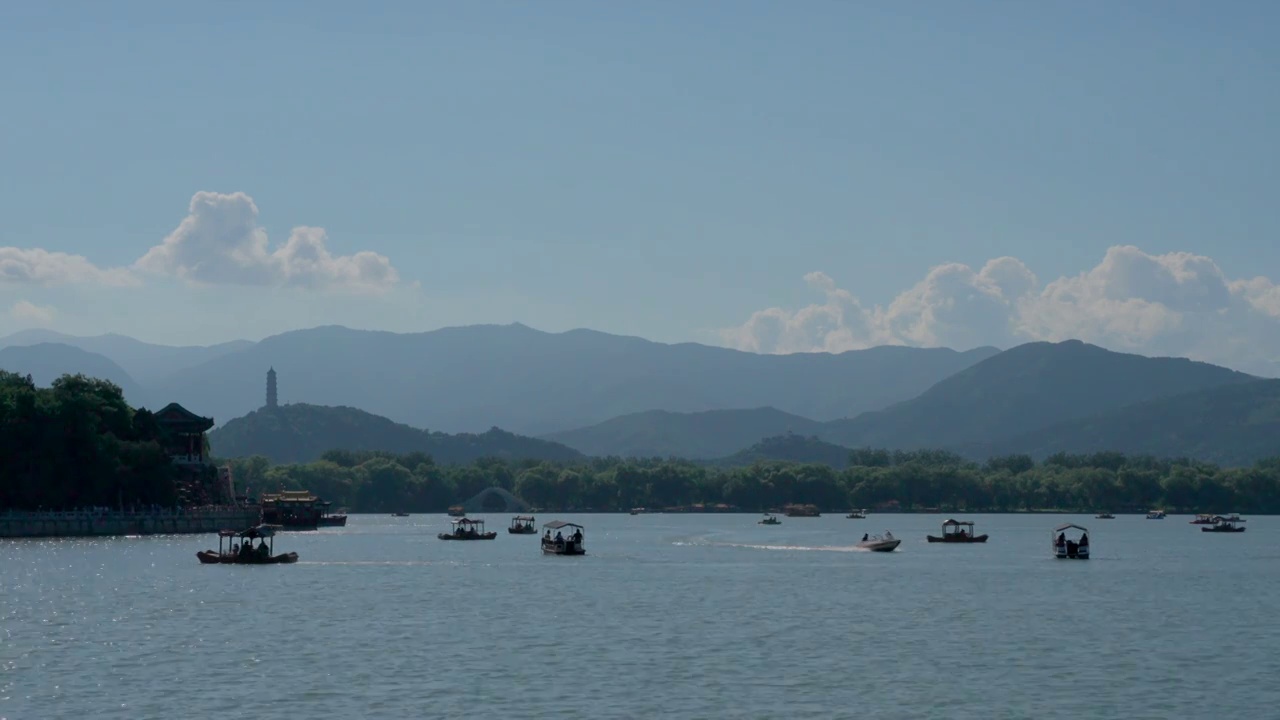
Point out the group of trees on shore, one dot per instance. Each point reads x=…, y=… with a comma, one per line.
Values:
x=916, y=480
x=78, y=443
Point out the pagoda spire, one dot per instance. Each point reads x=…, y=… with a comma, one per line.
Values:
x=271, y=389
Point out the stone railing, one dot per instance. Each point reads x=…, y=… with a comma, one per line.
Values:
x=91, y=522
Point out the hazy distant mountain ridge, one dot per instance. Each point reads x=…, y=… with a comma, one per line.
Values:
x=302, y=433
x=701, y=435
x=147, y=363
x=46, y=362
x=536, y=383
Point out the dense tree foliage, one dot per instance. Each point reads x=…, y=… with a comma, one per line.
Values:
x=78, y=444
x=917, y=480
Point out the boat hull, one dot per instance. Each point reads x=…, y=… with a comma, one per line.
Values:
x=958, y=540
x=1222, y=530
x=209, y=557
x=333, y=521
x=562, y=549
x=482, y=536
x=880, y=545
x=1062, y=554
x=523, y=531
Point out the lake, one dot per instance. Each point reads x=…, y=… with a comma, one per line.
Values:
x=685, y=616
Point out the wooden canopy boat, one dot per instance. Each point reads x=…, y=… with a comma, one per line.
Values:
x=560, y=545
x=1225, y=525
x=522, y=525
x=327, y=520
x=244, y=553
x=880, y=543
x=466, y=529
x=1067, y=549
x=769, y=519
x=955, y=531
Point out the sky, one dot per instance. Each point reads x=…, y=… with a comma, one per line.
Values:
x=770, y=176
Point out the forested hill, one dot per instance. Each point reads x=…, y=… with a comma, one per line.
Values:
x=302, y=433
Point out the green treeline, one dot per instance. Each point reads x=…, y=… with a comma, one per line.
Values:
x=79, y=444
x=385, y=482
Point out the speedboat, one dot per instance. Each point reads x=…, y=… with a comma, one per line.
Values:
x=1155, y=515
x=879, y=543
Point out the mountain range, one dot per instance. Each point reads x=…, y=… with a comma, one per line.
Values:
x=468, y=379
x=589, y=393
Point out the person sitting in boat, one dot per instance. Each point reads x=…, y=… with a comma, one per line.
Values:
x=547, y=537
x=577, y=536
x=235, y=548
x=888, y=535
x=1084, y=540
x=1062, y=539
x=559, y=538
x=864, y=537
x=246, y=548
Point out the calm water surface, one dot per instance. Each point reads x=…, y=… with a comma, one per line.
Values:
x=688, y=616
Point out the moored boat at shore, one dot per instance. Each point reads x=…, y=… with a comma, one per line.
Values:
x=243, y=552
x=956, y=531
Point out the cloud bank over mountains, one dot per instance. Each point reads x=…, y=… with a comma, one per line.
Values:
x=219, y=242
x=1173, y=304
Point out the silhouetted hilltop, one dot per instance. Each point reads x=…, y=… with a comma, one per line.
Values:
x=700, y=435
x=46, y=362
x=302, y=433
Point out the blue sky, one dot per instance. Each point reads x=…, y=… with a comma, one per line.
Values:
x=664, y=169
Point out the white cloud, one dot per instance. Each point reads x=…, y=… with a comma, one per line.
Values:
x=34, y=266
x=220, y=242
x=28, y=314
x=1173, y=304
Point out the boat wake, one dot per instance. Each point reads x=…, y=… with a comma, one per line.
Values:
x=793, y=548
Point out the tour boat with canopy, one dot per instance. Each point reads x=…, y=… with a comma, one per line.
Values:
x=561, y=545
x=467, y=529
x=955, y=531
x=522, y=525
x=1065, y=548
x=1225, y=524
x=243, y=552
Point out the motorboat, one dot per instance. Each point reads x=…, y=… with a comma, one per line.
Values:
x=1155, y=515
x=240, y=550
x=467, y=529
x=1105, y=516
x=857, y=515
x=561, y=545
x=956, y=531
x=1205, y=519
x=880, y=543
x=522, y=525
x=770, y=519
x=1065, y=548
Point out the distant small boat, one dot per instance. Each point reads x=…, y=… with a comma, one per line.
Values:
x=465, y=529
x=522, y=525
x=802, y=511
x=561, y=545
x=1205, y=520
x=857, y=515
x=638, y=511
x=399, y=514
x=770, y=520
x=880, y=543
x=1155, y=515
x=1105, y=516
x=1225, y=525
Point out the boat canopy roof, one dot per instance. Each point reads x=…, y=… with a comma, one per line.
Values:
x=259, y=531
x=557, y=524
x=957, y=523
x=466, y=521
x=1228, y=518
x=523, y=518
x=1068, y=526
